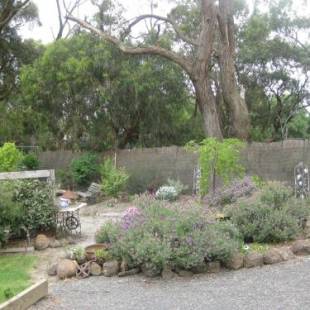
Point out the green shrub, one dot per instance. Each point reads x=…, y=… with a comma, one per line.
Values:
x=10, y=157
x=275, y=217
x=113, y=180
x=275, y=194
x=108, y=233
x=37, y=204
x=84, y=169
x=30, y=162
x=65, y=178
x=10, y=213
x=157, y=236
x=262, y=223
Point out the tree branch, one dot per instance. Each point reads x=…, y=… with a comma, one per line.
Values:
x=167, y=20
x=151, y=50
x=9, y=12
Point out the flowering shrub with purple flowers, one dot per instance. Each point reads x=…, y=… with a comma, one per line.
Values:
x=159, y=235
x=133, y=216
x=230, y=194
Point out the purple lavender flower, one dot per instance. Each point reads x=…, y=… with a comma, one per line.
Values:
x=132, y=218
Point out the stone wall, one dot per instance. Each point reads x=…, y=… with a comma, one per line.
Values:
x=151, y=167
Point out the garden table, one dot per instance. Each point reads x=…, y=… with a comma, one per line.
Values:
x=68, y=219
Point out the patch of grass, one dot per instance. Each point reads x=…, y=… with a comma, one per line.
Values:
x=15, y=274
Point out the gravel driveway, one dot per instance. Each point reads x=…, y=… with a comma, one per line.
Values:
x=281, y=286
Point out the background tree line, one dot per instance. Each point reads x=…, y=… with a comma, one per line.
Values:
x=82, y=92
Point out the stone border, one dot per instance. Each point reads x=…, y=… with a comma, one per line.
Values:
x=27, y=298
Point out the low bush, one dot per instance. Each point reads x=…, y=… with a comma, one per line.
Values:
x=262, y=223
x=108, y=233
x=275, y=194
x=166, y=193
x=157, y=236
x=84, y=169
x=113, y=179
x=30, y=162
x=65, y=178
x=10, y=157
x=231, y=193
x=178, y=185
x=274, y=218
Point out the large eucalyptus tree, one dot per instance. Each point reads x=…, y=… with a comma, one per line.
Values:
x=208, y=60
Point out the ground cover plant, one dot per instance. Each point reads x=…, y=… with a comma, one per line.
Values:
x=15, y=274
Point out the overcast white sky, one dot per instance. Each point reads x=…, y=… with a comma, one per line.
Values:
x=48, y=14
x=49, y=18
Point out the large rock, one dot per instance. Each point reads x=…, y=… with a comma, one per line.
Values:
x=150, y=271
x=213, y=267
x=124, y=266
x=202, y=268
x=272, y=257
x=286, y=253
x=235, y=262
x=301, y=247
x=253, y=260
x=66, y=268
x=110, y=268
x=184, y=273
x=167, y=273
x=41, y=242
x=95, y=269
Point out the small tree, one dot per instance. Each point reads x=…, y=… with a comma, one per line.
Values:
x=10, y=157
x=218, y=159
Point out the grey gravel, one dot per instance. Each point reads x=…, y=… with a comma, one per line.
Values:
x=282, y=286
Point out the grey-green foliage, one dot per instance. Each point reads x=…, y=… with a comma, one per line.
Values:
x=169, y=236
x=178, y=185
x=275, y=217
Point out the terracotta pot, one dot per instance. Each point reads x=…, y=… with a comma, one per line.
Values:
x=90, y=251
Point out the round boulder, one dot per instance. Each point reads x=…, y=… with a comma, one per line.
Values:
x=272, y=257
x=235, y=262
x=95, y=269
x=110, y=268
x=41, y=242
x=66, y=268
x=253, y=260
x=301, y=247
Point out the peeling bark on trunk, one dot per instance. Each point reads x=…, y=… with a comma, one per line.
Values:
x=240, y=120
x=201, y=72
x=207, y=107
